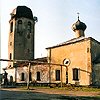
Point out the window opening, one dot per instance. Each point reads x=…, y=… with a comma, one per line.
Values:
x=75, y=74
x=11, y=79
x=22, y=77
x=38, y=76
x=29, y=27
x=66, y=77
x=10, y=43
x=57, y=75
x=19, y=29
x=30, y=76
x=11, y=27
x=10, y=56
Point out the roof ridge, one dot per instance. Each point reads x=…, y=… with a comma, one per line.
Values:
x=69, y=41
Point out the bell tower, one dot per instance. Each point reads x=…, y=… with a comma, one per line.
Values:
x=21, y=34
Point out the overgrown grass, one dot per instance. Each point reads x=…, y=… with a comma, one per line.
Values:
x=70, y=88
x=85, y=89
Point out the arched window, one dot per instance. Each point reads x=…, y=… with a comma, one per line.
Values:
x=28, y=35
x=57, y=75
x=22, y=77
x=76, y=74
x=38, y=76
x=19, y=28
x=9, y=66
x=29, y=27
x=19, y=21
x=11, y=79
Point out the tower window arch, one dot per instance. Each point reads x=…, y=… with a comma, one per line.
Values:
x=29, y=27
x=28, y=35
x=19, y=28
x=19, y=21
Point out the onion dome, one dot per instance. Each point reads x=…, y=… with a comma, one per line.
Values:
x=79, y=25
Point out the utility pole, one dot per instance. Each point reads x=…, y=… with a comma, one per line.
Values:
x=15, y=66
x=49, y=74
x=61, y=76
x=15, y=74
x=28, y=79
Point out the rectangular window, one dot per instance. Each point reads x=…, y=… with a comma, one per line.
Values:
x=57, y=75
x=38, y=76
x=30, y=76
x=10, y=43
x=22, y=76
x=10, y=56
x=75, y=74
x=11, y=27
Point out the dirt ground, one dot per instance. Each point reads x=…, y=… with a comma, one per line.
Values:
x=66, y=92
x=47, y=94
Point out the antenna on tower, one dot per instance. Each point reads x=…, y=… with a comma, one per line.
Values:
x=78, y=15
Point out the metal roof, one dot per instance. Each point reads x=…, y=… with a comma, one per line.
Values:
x=74, y=40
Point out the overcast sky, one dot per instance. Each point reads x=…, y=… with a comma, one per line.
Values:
x=55, y=18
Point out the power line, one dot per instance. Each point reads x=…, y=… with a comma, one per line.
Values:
x=32, y=61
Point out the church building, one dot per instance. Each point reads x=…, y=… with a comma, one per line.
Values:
x=76, y=61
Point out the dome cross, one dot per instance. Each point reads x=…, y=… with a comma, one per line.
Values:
x=78, y=15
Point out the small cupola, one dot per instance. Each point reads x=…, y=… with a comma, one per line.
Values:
x=79, y=28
